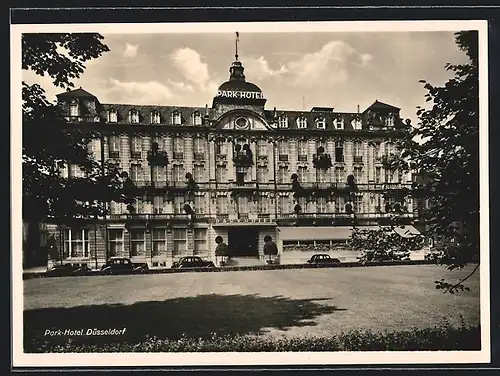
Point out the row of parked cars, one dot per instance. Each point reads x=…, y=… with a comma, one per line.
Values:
x=116, y=265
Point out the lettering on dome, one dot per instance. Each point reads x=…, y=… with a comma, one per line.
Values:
x=240, y=94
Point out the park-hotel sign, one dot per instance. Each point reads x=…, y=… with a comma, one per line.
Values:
x=240, y=94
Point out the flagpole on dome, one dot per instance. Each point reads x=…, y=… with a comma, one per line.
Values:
x=237, y=40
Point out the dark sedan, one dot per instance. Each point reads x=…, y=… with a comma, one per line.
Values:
x=323, y=259
x=192, y=262
x=122, y=265
x=68, y=269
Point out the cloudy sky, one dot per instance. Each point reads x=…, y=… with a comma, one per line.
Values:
x=294, y=70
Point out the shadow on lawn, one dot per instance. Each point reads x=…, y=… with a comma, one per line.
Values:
x=198, y=316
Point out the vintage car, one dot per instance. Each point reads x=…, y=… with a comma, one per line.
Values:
x=192, y=262
x=323, y=258
x=68, y=269
x=116, y=265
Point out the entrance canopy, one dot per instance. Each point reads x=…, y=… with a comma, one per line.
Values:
x=334, y=233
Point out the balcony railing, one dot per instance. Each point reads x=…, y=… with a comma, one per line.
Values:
x=358, y=158
x=302, y=158
x=283, y=157
x=178, y=155
x=199, y=156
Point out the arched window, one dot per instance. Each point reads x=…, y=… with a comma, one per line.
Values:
x=356, y=123
x=74, y=110
x=301, y=122
x=112, y=116
x=320, y=123
x=220, y=147
x=389, y=120
x=155, y=117
x=176, y=117
x=197, y=120
x=283, y=121
x=133, y=116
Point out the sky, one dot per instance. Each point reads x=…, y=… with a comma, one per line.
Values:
x=295, y=71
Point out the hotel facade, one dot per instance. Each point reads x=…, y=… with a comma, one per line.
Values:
x=234, y=169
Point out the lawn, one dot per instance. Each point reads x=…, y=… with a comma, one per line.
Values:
x=300, y=303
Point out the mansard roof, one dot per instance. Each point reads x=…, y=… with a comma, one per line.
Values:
x=76, y=93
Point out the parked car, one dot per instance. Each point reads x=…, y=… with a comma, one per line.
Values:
x=323, y=258
x=192, y=262
x=68, y=269
x=122, y=265
x=399, y=255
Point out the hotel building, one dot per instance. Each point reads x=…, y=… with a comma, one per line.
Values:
x=234, y=169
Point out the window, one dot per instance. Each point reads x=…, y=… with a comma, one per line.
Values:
x=322, y=176
x=75, y=171
x=389, y=121
x=320, y=123
x=283, y=121
x=180, y=240
x=112, y=116
x=378, y=150
x=115, y=242
x=358, y=204
x=159, y=173
x=134, y=116
x=159, y=241
x=243, y=205
x=114, y=146
x=199, y=173
x=284, y=204
x=358, y=151
x=301, y=122
x=76, y=243
x=263, y=205
x=338, y=123
x=283, y=150
x=176, y=118
x=302, y=172
x=74, y=109
x=136, y=147
x=199, y=204
x=339, y=174
x=321, y=205
x=135, y=173
x=178, y=147
x=155, y=117
x=283, y=174
x=158, y=204
x=339, y=151
x=358, y=174
x=302, y=151
x=339, y=204
x=262, y=148
x=222, y=204
x=197, y=118
x=178, y=173
x=137, y=243
x=199, y=148
x=261, y=174
x=178, y=204
x=378, y=174
x=220, y=174
x=220, y=147
x=200, y=241
x=389, y=148
x=357, y=123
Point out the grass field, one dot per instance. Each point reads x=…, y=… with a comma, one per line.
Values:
x=281, y=302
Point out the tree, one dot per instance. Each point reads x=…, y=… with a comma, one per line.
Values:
x=49, y=145
x=448, y=155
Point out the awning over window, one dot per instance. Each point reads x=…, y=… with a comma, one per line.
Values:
x=334, y=233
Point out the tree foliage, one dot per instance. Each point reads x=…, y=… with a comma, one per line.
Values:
x=444, y=148
x=49, y=145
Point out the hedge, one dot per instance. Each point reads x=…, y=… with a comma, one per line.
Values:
x=444, y=337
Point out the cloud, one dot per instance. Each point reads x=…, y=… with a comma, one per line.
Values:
x=259, y=69
x=151, y=92
x=130, y=50
x=189, y=64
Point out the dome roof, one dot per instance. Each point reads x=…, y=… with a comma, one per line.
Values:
x=237, y=85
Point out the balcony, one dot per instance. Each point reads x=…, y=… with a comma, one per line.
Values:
x=178, y=155
x=302, y=158
x=114, y=154
x=283, y=158
x=136, y=155
x=158, y=158
x=199, y=156
x=358, y=159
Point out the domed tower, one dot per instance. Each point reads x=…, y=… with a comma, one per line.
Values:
x=237, y=93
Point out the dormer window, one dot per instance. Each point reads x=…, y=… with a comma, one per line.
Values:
x=134, y=116
x=112, y=116
x=356, y=123
x=389, y=120
x=283, y=121
x=301, y=122
x=155, y=117
x=320, y=123
x=197, y=118
x=74, y=109
x=176, y=118
x=338, y=123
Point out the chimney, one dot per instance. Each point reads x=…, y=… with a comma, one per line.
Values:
x=358, y=108
x=206, y=110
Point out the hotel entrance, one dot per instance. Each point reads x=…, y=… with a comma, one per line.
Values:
x=243, y=241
